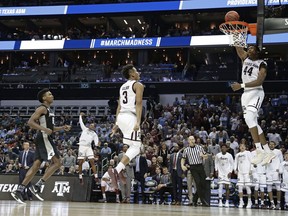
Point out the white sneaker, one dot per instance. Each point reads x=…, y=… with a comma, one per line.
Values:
x=249, y=205
x=268, y=157
x=227, y=204
x=259, y=157
x=278, y=207
x=220, y=203
x=241, y=204
x=272, y=206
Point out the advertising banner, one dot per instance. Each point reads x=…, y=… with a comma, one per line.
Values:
x=57, y=188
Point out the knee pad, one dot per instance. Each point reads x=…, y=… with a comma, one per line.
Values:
x=133, y=150
x=250, y=118
x=248, y=189
x=269, y=188
x=260, y=131
x=240, y=189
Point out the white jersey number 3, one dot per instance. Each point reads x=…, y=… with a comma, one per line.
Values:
x=125, y=98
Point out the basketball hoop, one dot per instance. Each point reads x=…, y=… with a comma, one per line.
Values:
x=237, y=32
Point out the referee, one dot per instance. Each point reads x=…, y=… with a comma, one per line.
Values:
x=194, y=154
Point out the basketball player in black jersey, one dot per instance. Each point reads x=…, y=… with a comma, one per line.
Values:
x=43, y=121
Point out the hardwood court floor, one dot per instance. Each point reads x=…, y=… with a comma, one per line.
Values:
x=37, y=208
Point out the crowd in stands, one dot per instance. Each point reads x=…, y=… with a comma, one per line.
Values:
x=68, y=71
x=212, y=120
x=100, y=31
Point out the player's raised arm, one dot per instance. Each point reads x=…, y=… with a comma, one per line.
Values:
x=242, y=54
x=83, y=127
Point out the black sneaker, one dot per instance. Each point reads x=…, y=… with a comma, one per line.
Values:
x=36, y=190
x=17, y=195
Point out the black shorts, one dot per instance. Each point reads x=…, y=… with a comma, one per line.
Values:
x=45, y=148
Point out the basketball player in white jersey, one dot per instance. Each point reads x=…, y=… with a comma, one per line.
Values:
x=128, y=116
x=85, y=149
x=254, y=71
x=284, y=185
x=258, y=182
x=273, y=176
x=242, y=168
x=224, y=165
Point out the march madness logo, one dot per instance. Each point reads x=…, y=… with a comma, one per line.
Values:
x=61, y=187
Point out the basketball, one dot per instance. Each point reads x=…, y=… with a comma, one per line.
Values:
x=232, y=16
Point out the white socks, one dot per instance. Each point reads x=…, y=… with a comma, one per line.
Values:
x=258, y=146
x=120, y=167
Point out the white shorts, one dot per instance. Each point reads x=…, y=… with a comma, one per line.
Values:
x=223, y=179
x=252, y=99
x=85, y=151
x=259, y=179
x=273, y=178
x=126, y=122
x=244, y=179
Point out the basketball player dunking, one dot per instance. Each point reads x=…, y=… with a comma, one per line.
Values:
x=128, y=116
x=45, y=148
x=254, y=71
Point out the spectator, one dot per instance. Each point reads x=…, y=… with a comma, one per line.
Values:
x=69, y=161
x=129, y=174
x=274, y=137
x=176, y=175
x=106, y=151
x=141, y=171
x=165, y=185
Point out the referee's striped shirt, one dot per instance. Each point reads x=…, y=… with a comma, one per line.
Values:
x=193, y=154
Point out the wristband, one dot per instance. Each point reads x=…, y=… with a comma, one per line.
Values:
x=242, y=85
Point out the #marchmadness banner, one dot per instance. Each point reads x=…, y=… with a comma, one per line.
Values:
x=57, y=188
x=135, y=43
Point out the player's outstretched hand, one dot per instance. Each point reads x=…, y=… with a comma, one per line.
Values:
x=235, y=86
x=67, y=127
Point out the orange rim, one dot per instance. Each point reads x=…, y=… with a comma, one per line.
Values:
x=235, y=23
x=253, y=28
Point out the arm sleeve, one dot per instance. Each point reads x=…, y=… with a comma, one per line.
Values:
x=83, y=127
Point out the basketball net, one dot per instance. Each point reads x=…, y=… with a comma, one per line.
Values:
x=237, y=32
